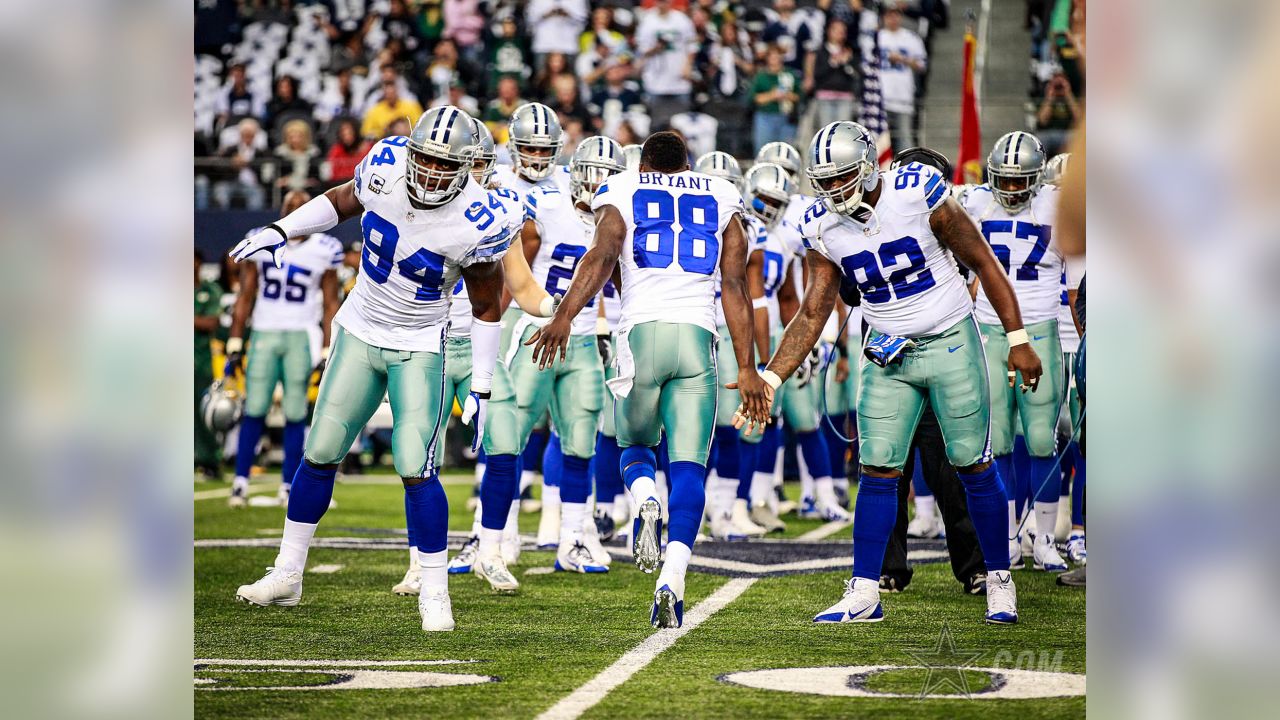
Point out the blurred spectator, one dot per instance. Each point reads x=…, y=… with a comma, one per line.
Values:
x=902, y=55
x=664, y=40
x=775, y=91
x=498, y=112
x=508, y=55
x=286, y=100
x=555, y=26
x=463, y=24
x=208, y=298
x=732, y=62
x=698, y=129
x=241, y=146
x=601, y=32
x=401, y=24
x=300, y=158
x=237, y=102
x=1058, y=113
x=338, y=98
x=346, y=152
x=383, y=71
x=617, y=96
x=390, y=107
x=846, y=11
x=790, y=33
x=566, y=103
x=626, y=134
x=555, y=65
x=446, y=67
x=458, y=97
x=704, y=41
x=400, y=127
x=831, y=77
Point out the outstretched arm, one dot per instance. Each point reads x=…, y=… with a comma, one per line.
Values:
x=592, y=272
x=522, y=286
x=329, y=288
x=317, y=215
x=484, y=288
x=759, y=304
x=955, y=230
x=806, y=327
x=756, y=396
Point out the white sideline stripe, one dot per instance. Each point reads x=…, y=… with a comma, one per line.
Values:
x=826, y=530
x=327, y=663
x=325, y=569
x=635, y=659
x=345, y=480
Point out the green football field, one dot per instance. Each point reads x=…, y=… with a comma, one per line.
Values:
x=581, y=646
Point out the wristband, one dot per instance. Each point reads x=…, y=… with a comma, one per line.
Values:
x=283, y=235
x=842, y=350
x=547, y=307
x=234, y=345
x=771, y=378
x=1017, y=337
x=324, y=353
x=760, y=303
x=483, y=395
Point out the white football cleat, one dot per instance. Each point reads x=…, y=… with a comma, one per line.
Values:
x=237, y=499
x=277, y=587
x=646, y=536
x=808, y=509
x=549, y=527
x=1076, y=552
x=925, y=527
x=861, y=603
x=831, y=512
x=1015, y=554
x=436, y=611
x=1045, y=554
x=1002, y=598
x=668, y=605
x=722, y=528
x=411, y=584
x=765, y=517
x=1028, y=542
x=575, y=557
x=742, y=520
x=466, y=557
x=509, y=546
x=495, y=571
x=591, y=539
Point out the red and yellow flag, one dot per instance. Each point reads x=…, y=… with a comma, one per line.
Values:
x=968, y=168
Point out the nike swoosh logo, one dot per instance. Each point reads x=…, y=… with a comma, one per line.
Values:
x=1037, y=337
x=953, y=349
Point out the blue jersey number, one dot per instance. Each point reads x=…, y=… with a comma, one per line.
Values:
x=293, y=291
x=423, y=267
x=772, y=272
x=655, y=213
x=911, y=279
x=909, y=176
x=1040, y=234
x=566, y=257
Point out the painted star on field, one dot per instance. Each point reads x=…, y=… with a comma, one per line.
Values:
x=945, y=664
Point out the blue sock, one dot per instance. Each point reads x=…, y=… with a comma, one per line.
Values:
x=533, y=448
x=608, y=473
x=1066, y=468
x=748, y=461
x=311, y=493
x=836, y=448
x=428, y=509
x=1045, y=488
x=408, y=522
x=247, y=449
x=1022, y=471
x=498, y=488
x=637, y=461
x=816, y=456
x=552, y=462
x=295, y=434
x=664, y=461
x=515, y=487
x=575, y=481
x=989, y=510
x=767, y=449
x=873, y=524
x=917, y=478
x=728, y=459
x=1004, y=464
x=688, y=497
x=1077, y=491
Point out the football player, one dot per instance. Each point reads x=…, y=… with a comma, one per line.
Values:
x=668, y=229
x=890, y=235
x=1016, y=212
x=292, y=308
x=424, y=224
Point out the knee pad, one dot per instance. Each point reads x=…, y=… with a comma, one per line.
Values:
x=502, y=430
x=579, y=438
x=1042, y=441
x=875, y=452
x=962, y=454
x=295, y=406
x=409, y=445
x=328, y=441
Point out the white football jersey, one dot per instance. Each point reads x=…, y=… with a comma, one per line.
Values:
x=289, y=298
x=783, y=247
x=506, y=177
x=460, y=315
x=612, y=305
x=675, y=225
x=1023, y=245
x=566, y=235
x=909, y=283
x=412, y=257
x=757, y=236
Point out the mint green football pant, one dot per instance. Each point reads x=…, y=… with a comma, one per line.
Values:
x=1036, y=413
x=356, y=379
x=572, y=390
x=278, y=356
x=457, y=380
x=727, y=400
x=842, y=396
x=797, y=406
x=608, y=427
x=675, y=388
x=947, y=369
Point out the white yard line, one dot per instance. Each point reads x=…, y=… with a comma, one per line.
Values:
x=327, y=663
x=325, y=569
x=635, y=659
x=222, y=492
x=825, y=531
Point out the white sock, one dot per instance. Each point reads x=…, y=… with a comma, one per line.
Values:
x=550, y=497
x=1013, y=519
x=490, y=542
x=675, y=565
x=479, y=472
x=806, y=480
x=1076, y=533
x=761, y=488
x=475, y=521
x=571, y=517
x=644, y=488
x=725, y=490
x=825, y=491
x=294, y=544
x=1046, y=518
x=413, y=556
x=240, y=485
x=434, y=570
x=621, y=508
x=513, y=519
x=925, y=505
x=526, y=480
x=841, y=483
x=662, y=492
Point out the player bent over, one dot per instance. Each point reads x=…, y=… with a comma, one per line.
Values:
x=890, y=235
x=669, y=229
x=424, y=224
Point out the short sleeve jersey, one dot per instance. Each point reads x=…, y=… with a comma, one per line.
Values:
x=566, y=234
x=1023, y=243
x=289, y=298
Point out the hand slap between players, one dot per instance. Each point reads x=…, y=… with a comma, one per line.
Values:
x=1022, y=359
x=757, y=398
x=550, y=339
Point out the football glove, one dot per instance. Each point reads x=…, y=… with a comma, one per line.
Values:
x=235, y=357
x=885, y=350
x=473, y=413
x=270, y=238
x=804, y=373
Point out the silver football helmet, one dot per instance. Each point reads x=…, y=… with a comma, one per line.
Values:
x=220, y=407
x=769, y=188
x=1015, y=169
x=781, y=153
x=1056, y=170
x=632, y=155
x=842, y=165
x=595, y=160
x=722, y=165
x=486, y=161
x=442, y=147
x=535, y=140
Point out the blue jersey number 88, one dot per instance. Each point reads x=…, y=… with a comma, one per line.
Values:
x=655, y=213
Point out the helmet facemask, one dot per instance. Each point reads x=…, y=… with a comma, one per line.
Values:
x=536, y=161
x=585, y=177
x=483, y=167
x=1014, y=187
x=432, y=177
x=768, y=207
x=843, y=191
